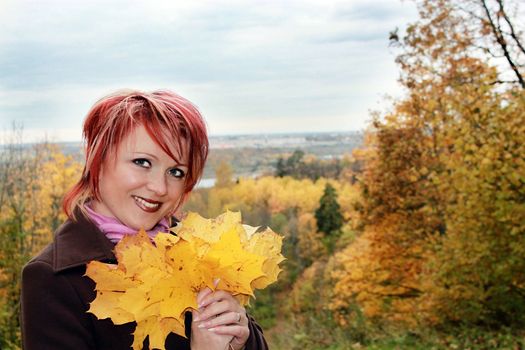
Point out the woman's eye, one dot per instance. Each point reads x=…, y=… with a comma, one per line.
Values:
x=176, y=172
x=142, y=162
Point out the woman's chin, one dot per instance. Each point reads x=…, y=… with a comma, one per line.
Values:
x=137, y=226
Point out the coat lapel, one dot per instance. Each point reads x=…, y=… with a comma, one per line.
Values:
x=77, y=243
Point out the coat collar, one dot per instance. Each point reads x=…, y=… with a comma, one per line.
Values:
x=78, y=242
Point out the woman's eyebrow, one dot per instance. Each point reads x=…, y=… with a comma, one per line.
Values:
x=144, y=153
x=177, y=163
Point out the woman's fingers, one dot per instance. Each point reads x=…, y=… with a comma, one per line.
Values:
x=203, y=294
x=225, y=319
x=206, y=291
x=222, y=306
x=214, y=297
x=202, y=338
x=240, y=334
x=220, y=313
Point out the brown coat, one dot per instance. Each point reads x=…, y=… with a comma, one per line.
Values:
x=56, y=296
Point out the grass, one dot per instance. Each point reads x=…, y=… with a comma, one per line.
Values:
x=324, y=335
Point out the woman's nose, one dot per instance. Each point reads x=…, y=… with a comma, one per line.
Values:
x=157, y=183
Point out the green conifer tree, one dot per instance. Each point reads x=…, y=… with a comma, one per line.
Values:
x=328, y=215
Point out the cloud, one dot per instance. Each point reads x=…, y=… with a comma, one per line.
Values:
x=250, y=60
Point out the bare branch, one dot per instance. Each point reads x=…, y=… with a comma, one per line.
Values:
x=511, y=27
x=469, y=12
x=488, y=51
x=504, y=82
x=502, y=43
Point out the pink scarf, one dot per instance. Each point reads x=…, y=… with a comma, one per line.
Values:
x=115, y=230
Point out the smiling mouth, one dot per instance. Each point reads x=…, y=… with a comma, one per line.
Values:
x=147, y=205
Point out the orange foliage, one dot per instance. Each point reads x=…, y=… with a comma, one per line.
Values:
x=443, y=188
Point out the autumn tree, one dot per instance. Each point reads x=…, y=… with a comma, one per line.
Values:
x=444, y=173
x=300, y=166
x=310, y=240
x=485, y=29
x=33, y=179
x=380, y=271
x=223, y=175
x=478, y=268
x=20, y=168
x=470, y=109
x=291, y=165
x=498, y=35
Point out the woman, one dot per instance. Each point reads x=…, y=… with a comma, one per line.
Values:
x=144, y=154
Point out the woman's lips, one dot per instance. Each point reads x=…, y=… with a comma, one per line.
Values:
x=146, y=204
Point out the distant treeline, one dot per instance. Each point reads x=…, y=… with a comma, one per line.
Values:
x=262, y=160
x=301, y=166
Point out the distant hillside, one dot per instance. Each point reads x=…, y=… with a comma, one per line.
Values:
x=257, y=154
x=251, y=155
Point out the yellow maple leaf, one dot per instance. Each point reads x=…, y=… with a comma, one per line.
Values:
x=155, y=283
x=237, y=267
x=195, y=226
x=267, y=244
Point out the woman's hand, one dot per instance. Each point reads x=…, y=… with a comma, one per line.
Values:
x=220, y=322
x=203, y=339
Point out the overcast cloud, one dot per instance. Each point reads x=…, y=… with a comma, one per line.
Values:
x=250, y=66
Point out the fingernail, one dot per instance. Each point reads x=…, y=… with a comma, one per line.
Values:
x=211, y=329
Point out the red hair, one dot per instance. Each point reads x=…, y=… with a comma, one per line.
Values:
x=169, y=119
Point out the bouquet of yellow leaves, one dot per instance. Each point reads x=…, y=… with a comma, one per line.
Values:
x=155, y=283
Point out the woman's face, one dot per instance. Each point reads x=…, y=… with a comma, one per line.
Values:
x=141, y=184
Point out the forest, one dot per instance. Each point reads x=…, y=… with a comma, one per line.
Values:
x=415, y=240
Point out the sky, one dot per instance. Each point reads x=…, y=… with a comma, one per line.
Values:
x=250, y=66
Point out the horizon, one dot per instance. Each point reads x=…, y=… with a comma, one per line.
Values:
x=266, y=134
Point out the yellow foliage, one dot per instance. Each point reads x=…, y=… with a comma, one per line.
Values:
x=310, y=292
x=32, y=183
x=382, y=277
x=442, y=198
x=155, y=283
x=309, y=242
x=278, y=195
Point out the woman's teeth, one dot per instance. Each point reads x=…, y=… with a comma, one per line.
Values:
x=146, y=205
